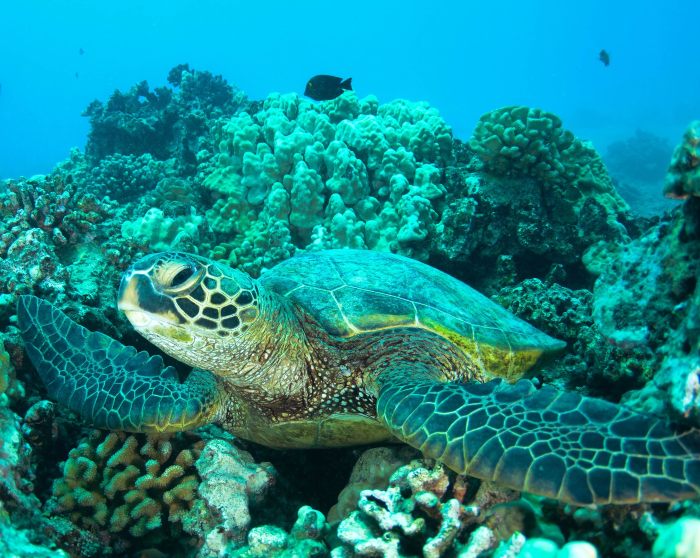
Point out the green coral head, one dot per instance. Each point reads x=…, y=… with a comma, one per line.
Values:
x=195, y=309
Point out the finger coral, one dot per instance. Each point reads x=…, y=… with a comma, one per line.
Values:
x=158, y=232
x=128, y=484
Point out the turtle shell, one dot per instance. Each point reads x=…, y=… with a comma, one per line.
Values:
x=351, y=292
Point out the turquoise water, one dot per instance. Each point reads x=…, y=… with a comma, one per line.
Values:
x=465, y=58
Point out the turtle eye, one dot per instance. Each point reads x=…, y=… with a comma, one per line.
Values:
x=181, y=276
x=177, y=277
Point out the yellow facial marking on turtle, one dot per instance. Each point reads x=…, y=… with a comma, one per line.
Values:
x=174, y=333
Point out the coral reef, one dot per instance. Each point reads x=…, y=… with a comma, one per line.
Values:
x=17, y=543
x=134, y=491
x=306, y=538
x=647, y=300
x=52, y=205
x=371, y=471
x=16, y=485
x=345, y=173
x=681, y=538
x=496, y=231
x=158, y=233
x=520, y=141
x=429, y=511
x=683, y=178
x=58, y=240
x=591, y=360
x=525, y=211
x=164, y=123
x=231, y=484
x=527, y=200
x=421, y=510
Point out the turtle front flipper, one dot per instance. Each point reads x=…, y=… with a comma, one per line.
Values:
x=108, y=384
x=557, y=444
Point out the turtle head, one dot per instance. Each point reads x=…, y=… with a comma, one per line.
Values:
x=197, y=310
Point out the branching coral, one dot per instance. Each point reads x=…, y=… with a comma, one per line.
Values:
x=371, y=471
x=136, y=490
x=305, y=539
x=421, y=509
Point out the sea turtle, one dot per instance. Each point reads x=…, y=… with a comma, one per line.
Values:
x=344, y=347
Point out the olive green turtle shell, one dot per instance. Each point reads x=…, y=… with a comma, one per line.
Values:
x=350, y=292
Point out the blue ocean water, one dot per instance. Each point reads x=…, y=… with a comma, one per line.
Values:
x=465, y=58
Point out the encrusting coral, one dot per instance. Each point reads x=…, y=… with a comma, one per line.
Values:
x=67, y=215
x=647, y=301
x=231, y=485
x=591, y=359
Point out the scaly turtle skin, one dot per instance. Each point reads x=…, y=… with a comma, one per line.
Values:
x=345, y=347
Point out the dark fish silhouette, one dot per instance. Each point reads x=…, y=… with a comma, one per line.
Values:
x=604, y=57
x=325, y=88
x=81, y=51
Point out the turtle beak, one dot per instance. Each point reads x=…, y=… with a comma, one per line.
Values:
x=127, y=298
x=128, y=301
x=142, y=303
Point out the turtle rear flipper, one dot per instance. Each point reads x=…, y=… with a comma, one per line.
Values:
x=108, y=384
x=557, y=444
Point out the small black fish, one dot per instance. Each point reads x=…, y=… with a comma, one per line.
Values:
x=604, y=57
x=325, y=88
